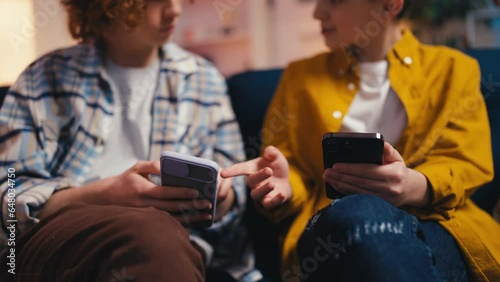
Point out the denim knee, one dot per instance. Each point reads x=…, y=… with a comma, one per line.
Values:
x=357, y=216
x=359, y=237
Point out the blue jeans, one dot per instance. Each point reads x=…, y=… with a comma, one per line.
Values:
x=365, y=238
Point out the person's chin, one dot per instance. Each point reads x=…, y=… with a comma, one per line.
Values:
x=332, y=44
x=337, y=42
x=164, y=40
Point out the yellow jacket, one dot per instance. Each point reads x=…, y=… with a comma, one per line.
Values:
x=447, y=139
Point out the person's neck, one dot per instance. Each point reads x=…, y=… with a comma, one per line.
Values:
x=380, y=46
x=131, y=57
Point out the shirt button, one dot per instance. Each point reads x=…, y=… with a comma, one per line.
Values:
x=351, y=86
x=337, y=114
x=408, y=60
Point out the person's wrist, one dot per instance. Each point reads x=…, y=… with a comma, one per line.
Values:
x=231, y=199
x=95, y=193
x=227, y=204
x=420, y=190
x=60, y=199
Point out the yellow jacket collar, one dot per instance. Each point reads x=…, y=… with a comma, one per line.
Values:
x=404, y=52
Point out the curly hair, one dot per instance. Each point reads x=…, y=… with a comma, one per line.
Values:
x=87, y=18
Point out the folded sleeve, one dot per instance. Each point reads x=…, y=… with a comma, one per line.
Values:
x=461, y=160
x=25, y=182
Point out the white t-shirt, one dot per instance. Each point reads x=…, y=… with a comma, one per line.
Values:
x=129, y=135
x=376, y=107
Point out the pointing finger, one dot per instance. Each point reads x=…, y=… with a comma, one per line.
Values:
x=244, y=168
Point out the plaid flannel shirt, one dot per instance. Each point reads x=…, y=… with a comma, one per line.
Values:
x=55, y=121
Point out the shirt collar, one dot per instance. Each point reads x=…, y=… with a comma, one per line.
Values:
x=403, y=52
x=173, y=58
x=343, y=60
x=177, y=59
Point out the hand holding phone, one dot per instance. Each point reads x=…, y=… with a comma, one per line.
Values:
x=341, y=147
x=180, y=170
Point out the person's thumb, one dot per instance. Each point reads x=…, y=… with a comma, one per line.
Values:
x=391, y=155
x=271, y=153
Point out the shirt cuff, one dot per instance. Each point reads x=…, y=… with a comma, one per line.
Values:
x=206, y=248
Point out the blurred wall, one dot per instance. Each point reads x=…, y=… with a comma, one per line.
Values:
x=237, y=35
x=296, y=34
x=29, y=29
x=51, y=29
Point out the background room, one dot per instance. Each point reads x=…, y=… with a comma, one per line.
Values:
x=251, y=42
x=240, y=35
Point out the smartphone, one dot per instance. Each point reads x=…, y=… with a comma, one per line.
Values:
x=343, y=147
x=180, y=170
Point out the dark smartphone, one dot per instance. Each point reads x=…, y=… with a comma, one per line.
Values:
x=179, y=170
x=342, y=147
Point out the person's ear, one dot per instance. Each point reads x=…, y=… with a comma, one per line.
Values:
x=394, y=7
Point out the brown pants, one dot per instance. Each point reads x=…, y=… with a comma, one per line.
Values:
x=106, y=243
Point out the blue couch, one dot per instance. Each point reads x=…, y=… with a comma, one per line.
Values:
x=3, y=91
x=252, y=91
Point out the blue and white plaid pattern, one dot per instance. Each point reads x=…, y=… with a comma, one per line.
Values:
x=55, y=120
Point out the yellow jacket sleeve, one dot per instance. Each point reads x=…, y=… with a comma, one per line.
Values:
x=461, y=159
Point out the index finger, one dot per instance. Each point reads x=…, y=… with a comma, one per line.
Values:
x=244, y=168
x=146, y=167
x=366, y=171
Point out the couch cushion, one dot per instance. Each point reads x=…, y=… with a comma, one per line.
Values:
x=3, y=91
x=250, y=94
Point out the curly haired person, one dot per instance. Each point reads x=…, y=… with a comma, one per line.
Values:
x=84, y=127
